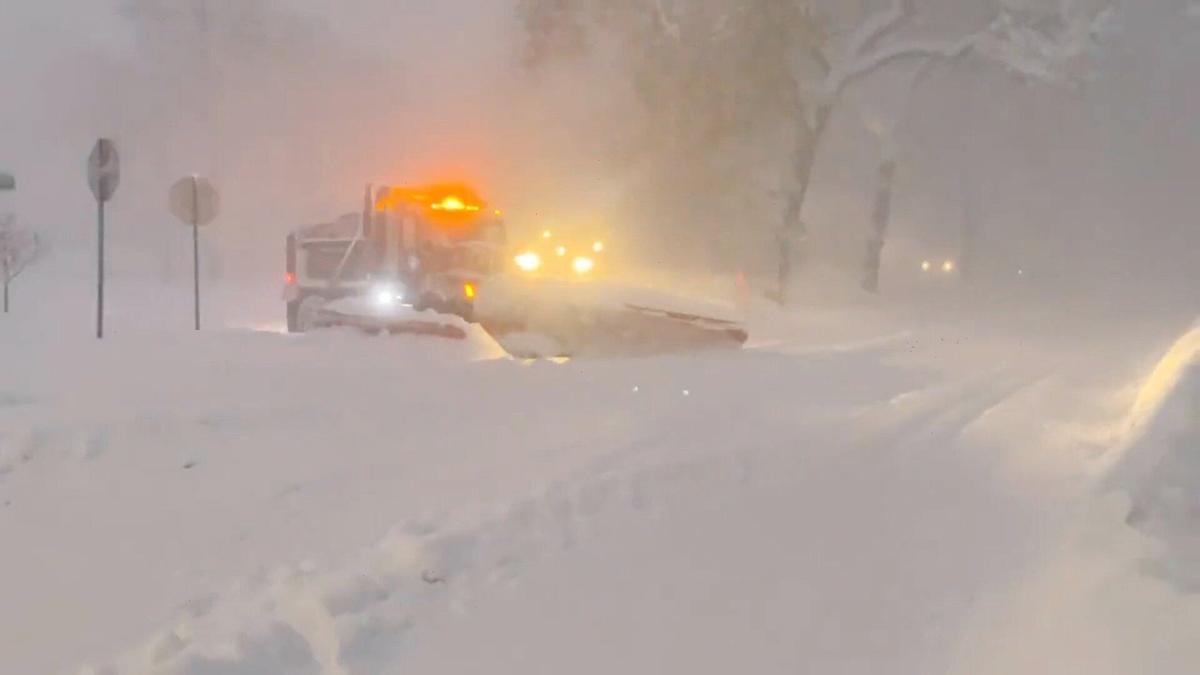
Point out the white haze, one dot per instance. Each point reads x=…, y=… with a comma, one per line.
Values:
x=300, y=104
x=911, y=482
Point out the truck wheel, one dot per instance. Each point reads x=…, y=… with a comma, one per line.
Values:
x=302, y=313
x=293, y=317
x=308, y=309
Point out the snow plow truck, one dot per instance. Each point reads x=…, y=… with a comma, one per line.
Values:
x=435, y=260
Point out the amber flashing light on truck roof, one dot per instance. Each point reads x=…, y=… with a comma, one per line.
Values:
x=450, y=198
x=453, y=203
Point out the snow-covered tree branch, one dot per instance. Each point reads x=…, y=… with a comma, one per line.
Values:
x=1052, y=44
x=719, y=77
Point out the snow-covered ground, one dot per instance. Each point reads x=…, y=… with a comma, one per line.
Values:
x=932, y=488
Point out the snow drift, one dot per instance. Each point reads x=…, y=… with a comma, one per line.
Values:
x=1116, y=596
x=1161, y=467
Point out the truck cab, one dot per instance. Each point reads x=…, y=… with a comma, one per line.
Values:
x=428, y=249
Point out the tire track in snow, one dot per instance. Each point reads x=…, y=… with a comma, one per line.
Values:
x=353, y=619
x=882, y=344
x=939, y=414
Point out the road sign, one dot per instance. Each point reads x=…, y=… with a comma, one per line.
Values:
x=194, y=200
x=7, y=182
x=104, y=170
x=104, y=174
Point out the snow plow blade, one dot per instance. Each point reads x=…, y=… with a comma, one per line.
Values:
x=547, y=319
x=400, y=320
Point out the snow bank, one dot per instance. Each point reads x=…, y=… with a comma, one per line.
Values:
x=1089, y=608
x=1161, y=467
x=1117, y=595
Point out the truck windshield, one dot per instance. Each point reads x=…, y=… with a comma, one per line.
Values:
x=479, y=259
x=321, y=260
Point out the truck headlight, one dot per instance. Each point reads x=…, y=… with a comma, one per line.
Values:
x=528, y=261
x=388, y=295
x=583, y=265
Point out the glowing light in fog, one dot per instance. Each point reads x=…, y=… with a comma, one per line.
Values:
x=528, y=261
x=453, y=203
x=388, y=295
x=926, y=266
x=948, y=266
x=583, y=265
x=598, y=247
x=560, y=251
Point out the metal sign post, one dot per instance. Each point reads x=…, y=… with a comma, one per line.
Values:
x=100, y=270
x=7, y=183
x=194, y=201
x=195, y=254
x=104, y=175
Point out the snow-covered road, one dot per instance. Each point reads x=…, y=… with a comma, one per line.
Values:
x=861, y=492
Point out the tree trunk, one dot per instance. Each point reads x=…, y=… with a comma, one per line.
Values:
x=880, y=218
x=968, y=255
x=794, y=235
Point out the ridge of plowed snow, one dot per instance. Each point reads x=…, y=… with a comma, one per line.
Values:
x=1161, y=467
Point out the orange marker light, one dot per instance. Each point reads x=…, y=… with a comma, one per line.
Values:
x=452, y=203
x=449, y=198
x=469, y=291
x=289, y=278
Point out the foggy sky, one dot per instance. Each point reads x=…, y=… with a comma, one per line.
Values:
x=1100, y=182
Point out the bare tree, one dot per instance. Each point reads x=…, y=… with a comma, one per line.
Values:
x=1048, y=40
x=719, y=74
x=19, y=247
x=1050, y=43
x=880, y=219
